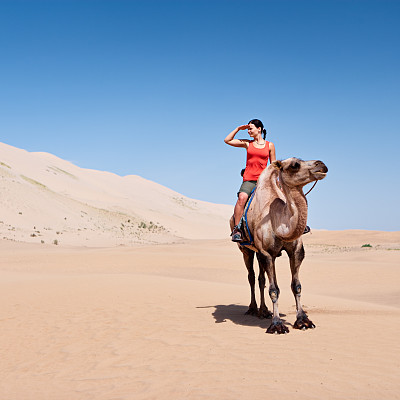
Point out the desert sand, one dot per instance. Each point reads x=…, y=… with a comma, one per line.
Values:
x=131, y=312
x=167, y=321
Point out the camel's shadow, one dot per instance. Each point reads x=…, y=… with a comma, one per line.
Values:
x=237, y=314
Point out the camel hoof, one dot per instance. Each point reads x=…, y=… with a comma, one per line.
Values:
x=264, y=313
x=278, y=328
x=303, y=323
x=252, y=311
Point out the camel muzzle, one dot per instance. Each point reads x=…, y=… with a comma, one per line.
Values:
x=320, y=170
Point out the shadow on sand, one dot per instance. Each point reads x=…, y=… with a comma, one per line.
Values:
x=237, y=314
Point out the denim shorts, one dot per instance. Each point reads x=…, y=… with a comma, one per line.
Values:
x=247, y=187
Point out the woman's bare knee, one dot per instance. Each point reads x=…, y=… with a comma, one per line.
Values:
x=242, y=198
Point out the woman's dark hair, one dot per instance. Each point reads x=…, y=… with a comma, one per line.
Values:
x=258, y=124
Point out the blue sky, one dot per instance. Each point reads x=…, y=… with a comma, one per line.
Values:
x=152, y=88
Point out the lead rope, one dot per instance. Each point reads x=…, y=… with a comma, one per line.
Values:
x=311, y=188
x=279, y=184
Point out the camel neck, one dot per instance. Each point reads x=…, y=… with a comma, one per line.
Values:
x=287, y=206
x=295, y=210
x=284, y=206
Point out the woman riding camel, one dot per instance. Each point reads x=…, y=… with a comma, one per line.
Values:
x=259, y=151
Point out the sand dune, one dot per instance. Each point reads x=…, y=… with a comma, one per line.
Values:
x=47, y=199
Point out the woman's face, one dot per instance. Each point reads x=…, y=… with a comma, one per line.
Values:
x=253, y=130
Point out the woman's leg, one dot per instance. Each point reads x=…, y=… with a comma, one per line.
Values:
x=239, y=207
x=243, y=195
x=237, y=213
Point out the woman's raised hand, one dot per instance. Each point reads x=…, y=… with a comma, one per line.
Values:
x=230, y=139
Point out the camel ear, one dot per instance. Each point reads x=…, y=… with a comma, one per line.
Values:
x=277, y=165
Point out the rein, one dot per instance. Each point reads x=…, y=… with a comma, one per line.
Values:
x=250, y=241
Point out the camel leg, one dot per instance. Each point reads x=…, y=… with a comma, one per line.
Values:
x=296, y=256
x=263, y=311
x=248, y=257
x=267, y=262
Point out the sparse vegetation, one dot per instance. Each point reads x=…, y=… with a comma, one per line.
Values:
x=151, y=227
x=187, y=203
x=33, y=182
x=4, y=165
x=366, y=245
x=127, y=229
x=56, y=169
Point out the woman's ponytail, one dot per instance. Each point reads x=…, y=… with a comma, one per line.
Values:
x=264, y=132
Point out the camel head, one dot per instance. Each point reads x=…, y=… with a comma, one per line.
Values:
x=295, y=172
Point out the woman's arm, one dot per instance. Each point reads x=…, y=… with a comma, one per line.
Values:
x=230, y=139
x=272, y=155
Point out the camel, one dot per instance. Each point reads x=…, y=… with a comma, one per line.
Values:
x=276, y=219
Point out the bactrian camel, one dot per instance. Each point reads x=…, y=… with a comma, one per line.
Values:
x=276, y=219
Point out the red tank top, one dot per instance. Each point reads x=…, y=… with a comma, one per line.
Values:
x=257, y=160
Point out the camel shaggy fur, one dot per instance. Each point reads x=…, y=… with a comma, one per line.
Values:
x=276, y=218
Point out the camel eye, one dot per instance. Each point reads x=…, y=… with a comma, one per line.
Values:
x=295, y=166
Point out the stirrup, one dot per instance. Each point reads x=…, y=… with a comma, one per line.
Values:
x=236, y=234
